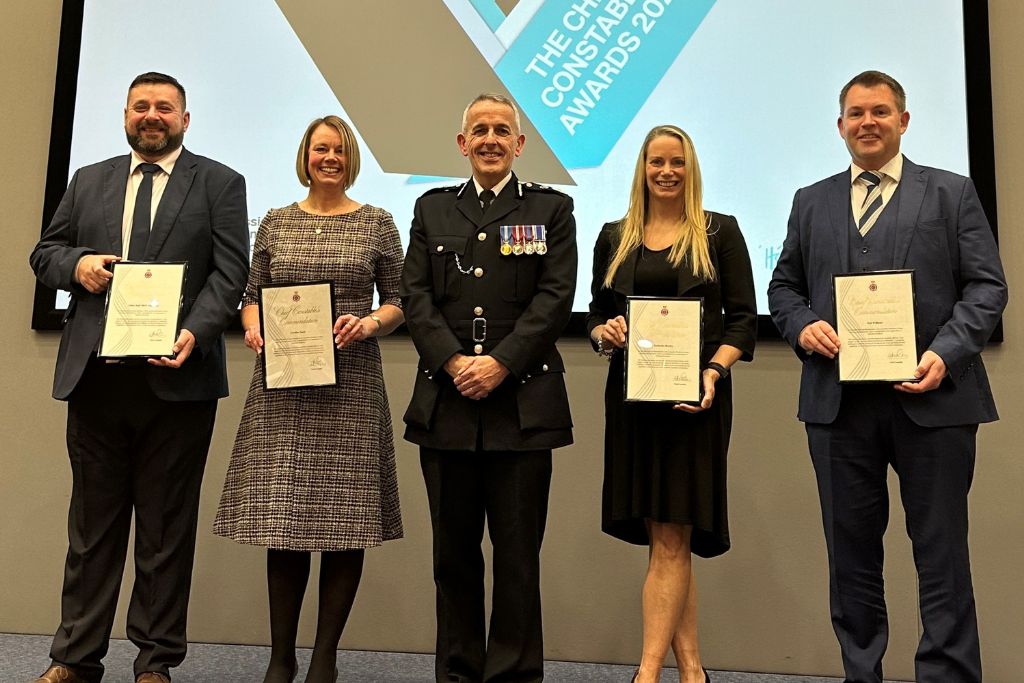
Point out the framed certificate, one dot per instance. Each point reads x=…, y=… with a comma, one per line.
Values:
x=143, y=310
x=297, y=323
x=663, y=345
x=875, y=324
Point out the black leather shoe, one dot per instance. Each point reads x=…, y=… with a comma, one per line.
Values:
x=707, y=677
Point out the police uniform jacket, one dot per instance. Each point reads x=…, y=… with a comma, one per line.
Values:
x=460, y=294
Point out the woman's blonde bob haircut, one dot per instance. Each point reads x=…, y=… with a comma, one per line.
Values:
x=691, y=241
x=348, y=143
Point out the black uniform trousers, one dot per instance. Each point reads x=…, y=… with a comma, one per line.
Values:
x=130, y=451
x=509, y=489
x=935, y=467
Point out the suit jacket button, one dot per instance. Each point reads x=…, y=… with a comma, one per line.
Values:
x=440, y=247
x=478, y=349
x=481, y=236
x=478, y=272
x=478, y=311
x=544, y=367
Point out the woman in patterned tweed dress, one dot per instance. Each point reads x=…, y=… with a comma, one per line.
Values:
x=313, y=470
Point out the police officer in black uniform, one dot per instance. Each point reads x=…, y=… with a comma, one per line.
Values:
x=487, y=287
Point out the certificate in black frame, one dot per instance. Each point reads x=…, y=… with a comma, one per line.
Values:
x=699, y=350
x=110, y=292
x=913, y=317
x=263, y=329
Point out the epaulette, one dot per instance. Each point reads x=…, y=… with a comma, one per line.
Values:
x=537, y=187
x=446, y=188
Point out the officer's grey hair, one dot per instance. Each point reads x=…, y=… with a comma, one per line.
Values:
x=491, y=97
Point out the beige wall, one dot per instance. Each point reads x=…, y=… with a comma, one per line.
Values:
x=763, y=605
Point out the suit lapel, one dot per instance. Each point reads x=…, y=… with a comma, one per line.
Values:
x=839, y=215
x=115, y=185
x=174, y=196
x=505, y=203
x=912, y=187
x=468, y=204
x=625, y=277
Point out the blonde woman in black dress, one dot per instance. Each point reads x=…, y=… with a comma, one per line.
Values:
x=313, y=470
x=665, y=465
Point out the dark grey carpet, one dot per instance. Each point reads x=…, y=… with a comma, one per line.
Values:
x=22, y=658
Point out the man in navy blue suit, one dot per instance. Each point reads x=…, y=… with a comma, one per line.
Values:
x=138, y=433
x=886, y=212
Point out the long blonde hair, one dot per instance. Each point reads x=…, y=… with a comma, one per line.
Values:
x=692, y=239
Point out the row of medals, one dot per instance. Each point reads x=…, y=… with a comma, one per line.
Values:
x=527, y=242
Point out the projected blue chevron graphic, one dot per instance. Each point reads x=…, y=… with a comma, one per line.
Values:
x=582, y=69
x=489, y=12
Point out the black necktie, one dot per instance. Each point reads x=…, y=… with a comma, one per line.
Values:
x=141, y=217
x=486, y=197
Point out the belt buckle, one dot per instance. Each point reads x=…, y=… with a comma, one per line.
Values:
x=479, y=329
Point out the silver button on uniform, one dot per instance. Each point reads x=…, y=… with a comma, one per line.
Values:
x=544, y=367
x=478, y=349
x=478, y=311
x=440, y=247
x=481, y=236
x=479, y=272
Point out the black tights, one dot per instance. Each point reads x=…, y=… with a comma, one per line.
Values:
x=287, y=576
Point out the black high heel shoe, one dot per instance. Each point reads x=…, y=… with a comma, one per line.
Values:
x=287, y=678
x=707, y=676
x=335, y=675
x=635, y=674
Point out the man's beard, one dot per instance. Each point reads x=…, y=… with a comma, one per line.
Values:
x=168, y=144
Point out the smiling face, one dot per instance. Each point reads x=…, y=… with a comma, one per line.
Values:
x=491, y=140
x=871, y=124
x=154, y=120
x=326, y=166
x=665, y=169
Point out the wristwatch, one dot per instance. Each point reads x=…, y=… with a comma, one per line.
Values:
x=602, y=350
x=722, y=371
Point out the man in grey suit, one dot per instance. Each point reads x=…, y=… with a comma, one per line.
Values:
x=138, y=433
x=886, y=212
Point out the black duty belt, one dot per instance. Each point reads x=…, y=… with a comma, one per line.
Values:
x=481, y=329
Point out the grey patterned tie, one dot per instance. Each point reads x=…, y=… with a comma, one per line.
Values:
x=141, y=217
x=872, y=205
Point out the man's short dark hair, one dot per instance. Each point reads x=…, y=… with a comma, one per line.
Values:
x=157, y=78
x=871, y=79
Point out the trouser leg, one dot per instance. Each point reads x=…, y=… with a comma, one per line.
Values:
x=935, y=467
x=850, y=464
x=99, y=521
x=455, y=495
x=167, y=474
x=517, y=486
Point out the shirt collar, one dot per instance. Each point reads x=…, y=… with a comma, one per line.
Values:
x=166, y=163
x=496, y=189
x=892, y=168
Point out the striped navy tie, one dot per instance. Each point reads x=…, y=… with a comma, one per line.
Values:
x=872, y=206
